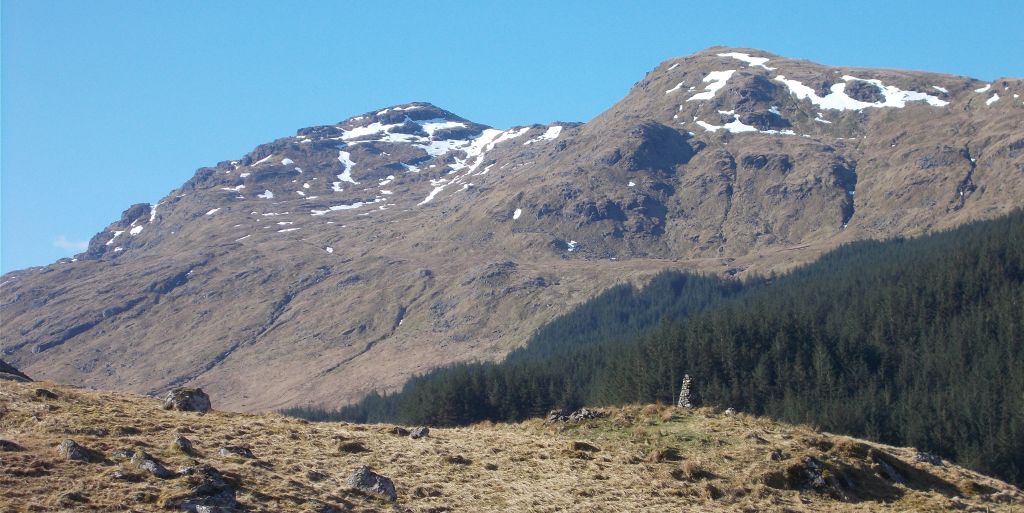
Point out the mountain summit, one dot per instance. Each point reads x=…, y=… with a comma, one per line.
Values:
x=348, y=257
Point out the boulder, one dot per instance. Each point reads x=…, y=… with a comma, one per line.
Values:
x=187, y=399
x=371, y=483
x=420, y=432
x=9, y=446
x=73, y=451
x=43, y=393
x=400, y=431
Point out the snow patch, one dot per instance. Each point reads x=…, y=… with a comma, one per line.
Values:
x=517, y=213
x=346, y=176
x=941, y=89
x=262, y=160
x=837, y=99
x=631, y=184
x=136, y=230
x=717, y=81
x=287, y=161
x=213, y=211
x=116, y=233
x=329, y=249
x=267, y=194
x=983, y=89
x=747, y=58
x=550, y=134
x=993, y=99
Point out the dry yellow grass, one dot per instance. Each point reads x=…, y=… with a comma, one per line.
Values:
x=634, y=459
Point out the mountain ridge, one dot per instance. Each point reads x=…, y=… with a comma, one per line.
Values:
x=348, y=257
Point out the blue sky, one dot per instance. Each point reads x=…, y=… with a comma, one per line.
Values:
x=106, y=103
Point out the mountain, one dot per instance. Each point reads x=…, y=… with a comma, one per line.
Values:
x=346, y=258
x=123, y=452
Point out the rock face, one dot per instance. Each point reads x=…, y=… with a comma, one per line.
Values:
x=371, y=483
x=444, y=240
x=187, y=399
x=9, y=373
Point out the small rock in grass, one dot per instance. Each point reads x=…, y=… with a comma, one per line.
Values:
x=369, y=482
x=234, y=450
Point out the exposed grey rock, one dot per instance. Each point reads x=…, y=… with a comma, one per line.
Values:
x=235, y=450
x=400, y=431
x=369, y=482
x=73, y=451
x=187, y=399
x=420, y=432
x=730, y=411
x=148, y=463
x=123, y=454
x=927, y=457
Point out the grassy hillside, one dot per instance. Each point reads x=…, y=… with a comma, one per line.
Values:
x=633, y=458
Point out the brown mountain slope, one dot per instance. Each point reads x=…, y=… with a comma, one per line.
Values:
x=632, y=459
x=344, y=259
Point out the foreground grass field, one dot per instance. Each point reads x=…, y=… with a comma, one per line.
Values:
x=637, y=458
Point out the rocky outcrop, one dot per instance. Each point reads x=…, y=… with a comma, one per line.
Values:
x=9, y=373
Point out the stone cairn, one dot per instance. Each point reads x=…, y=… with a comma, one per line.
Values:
x=687, y=394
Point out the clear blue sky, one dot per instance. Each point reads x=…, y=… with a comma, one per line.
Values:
x=106, y=103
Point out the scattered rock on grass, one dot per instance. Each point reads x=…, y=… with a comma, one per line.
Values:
x=235, y=450
x=572, y=416
x=420, y=432
x=400, y=431
x=148, y=463
x=369, y=482
x=352, y=447
x=210, y=492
